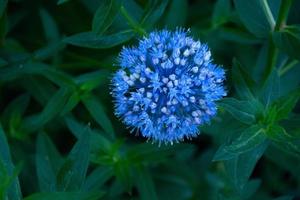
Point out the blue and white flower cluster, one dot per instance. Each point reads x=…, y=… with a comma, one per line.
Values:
x=167, y=86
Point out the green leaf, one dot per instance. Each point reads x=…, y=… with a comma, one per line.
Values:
x=132, y=22
x=7, y=179
x=172, y=18
x=284, y=198
x=48, y=162
x=3, y=62
x=18, y=71
x=3, y=4
x=97, y=140
x=145, y=185
x=48, y=51
x=3, y=28
x=97, y=178
x=71, y=103
x=284, y=160
x=271, y=89
x=288, y=40
x=241, y=110
x=41, y=90
x=256, y=15
x=242, y=81
x=59, y=2
x=240, y=167
x=249, y=139
x=222, y=12
x=250, y=188
x=13, y=191
x=65, y=196
x=284, y=140
x=123, y=173
x=284, y=105
x=278, y=133
x=269, y=116
x=92, y=40
x=149, y=153
x=291, y=147
x=92, y=80
x=49, y=25
x=238, y=36
x=150, y=19
x=50, y=111
x=96, y=109
x=79, y=158
x=16, y=106
x=105, y=15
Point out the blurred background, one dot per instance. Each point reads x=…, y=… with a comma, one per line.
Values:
x=57, y=116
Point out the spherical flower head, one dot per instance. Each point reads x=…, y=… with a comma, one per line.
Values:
x=167, y=86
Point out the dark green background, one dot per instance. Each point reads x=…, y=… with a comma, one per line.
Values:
x=59, y=138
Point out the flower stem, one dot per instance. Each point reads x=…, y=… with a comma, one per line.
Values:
x=272, y=50
x=132, y=22
x=283, y=14
x=268, y=12
x=288, y=67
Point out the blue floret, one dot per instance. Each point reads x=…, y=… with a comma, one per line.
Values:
x=167, y=86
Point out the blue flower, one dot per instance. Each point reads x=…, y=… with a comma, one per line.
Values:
x=167, y=86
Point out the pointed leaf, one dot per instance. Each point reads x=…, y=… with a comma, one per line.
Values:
x=271, y=89
x=94, y=106
x=222, y=12
x=3, y=62
x=97, y=140
x=156, y=14
x=97, y=178
x=238, y=36
x=284, y=198
x=92, y=40
x=256, y=15
x=240, y=168
x=288, y=40
x=172, y=18
x=90, y=81
x=49, y=25
x=3, y=4
x=48, y=161
x=14, y=191
x=79, y=157
x=105, y=15
x=65, y=196
x=53, y=107
x=71, y=103
x=250, y=139
x=244, y=111
x=48, y=51
x=242, y=81
x=284, y=140
x=14, y=72
x=145, y=185
x=286, y=104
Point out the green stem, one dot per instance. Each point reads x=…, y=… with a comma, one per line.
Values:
x=283, y=14
x=272, y=50
x=271, y=58
x=288, y=67
x=268, y=13
x=132, y=22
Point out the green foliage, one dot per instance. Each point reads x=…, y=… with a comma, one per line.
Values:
x=105, y=16
x=92, y=40
x=9, y=187
x=256, y=15
x=288, y=40
x=59, y=138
